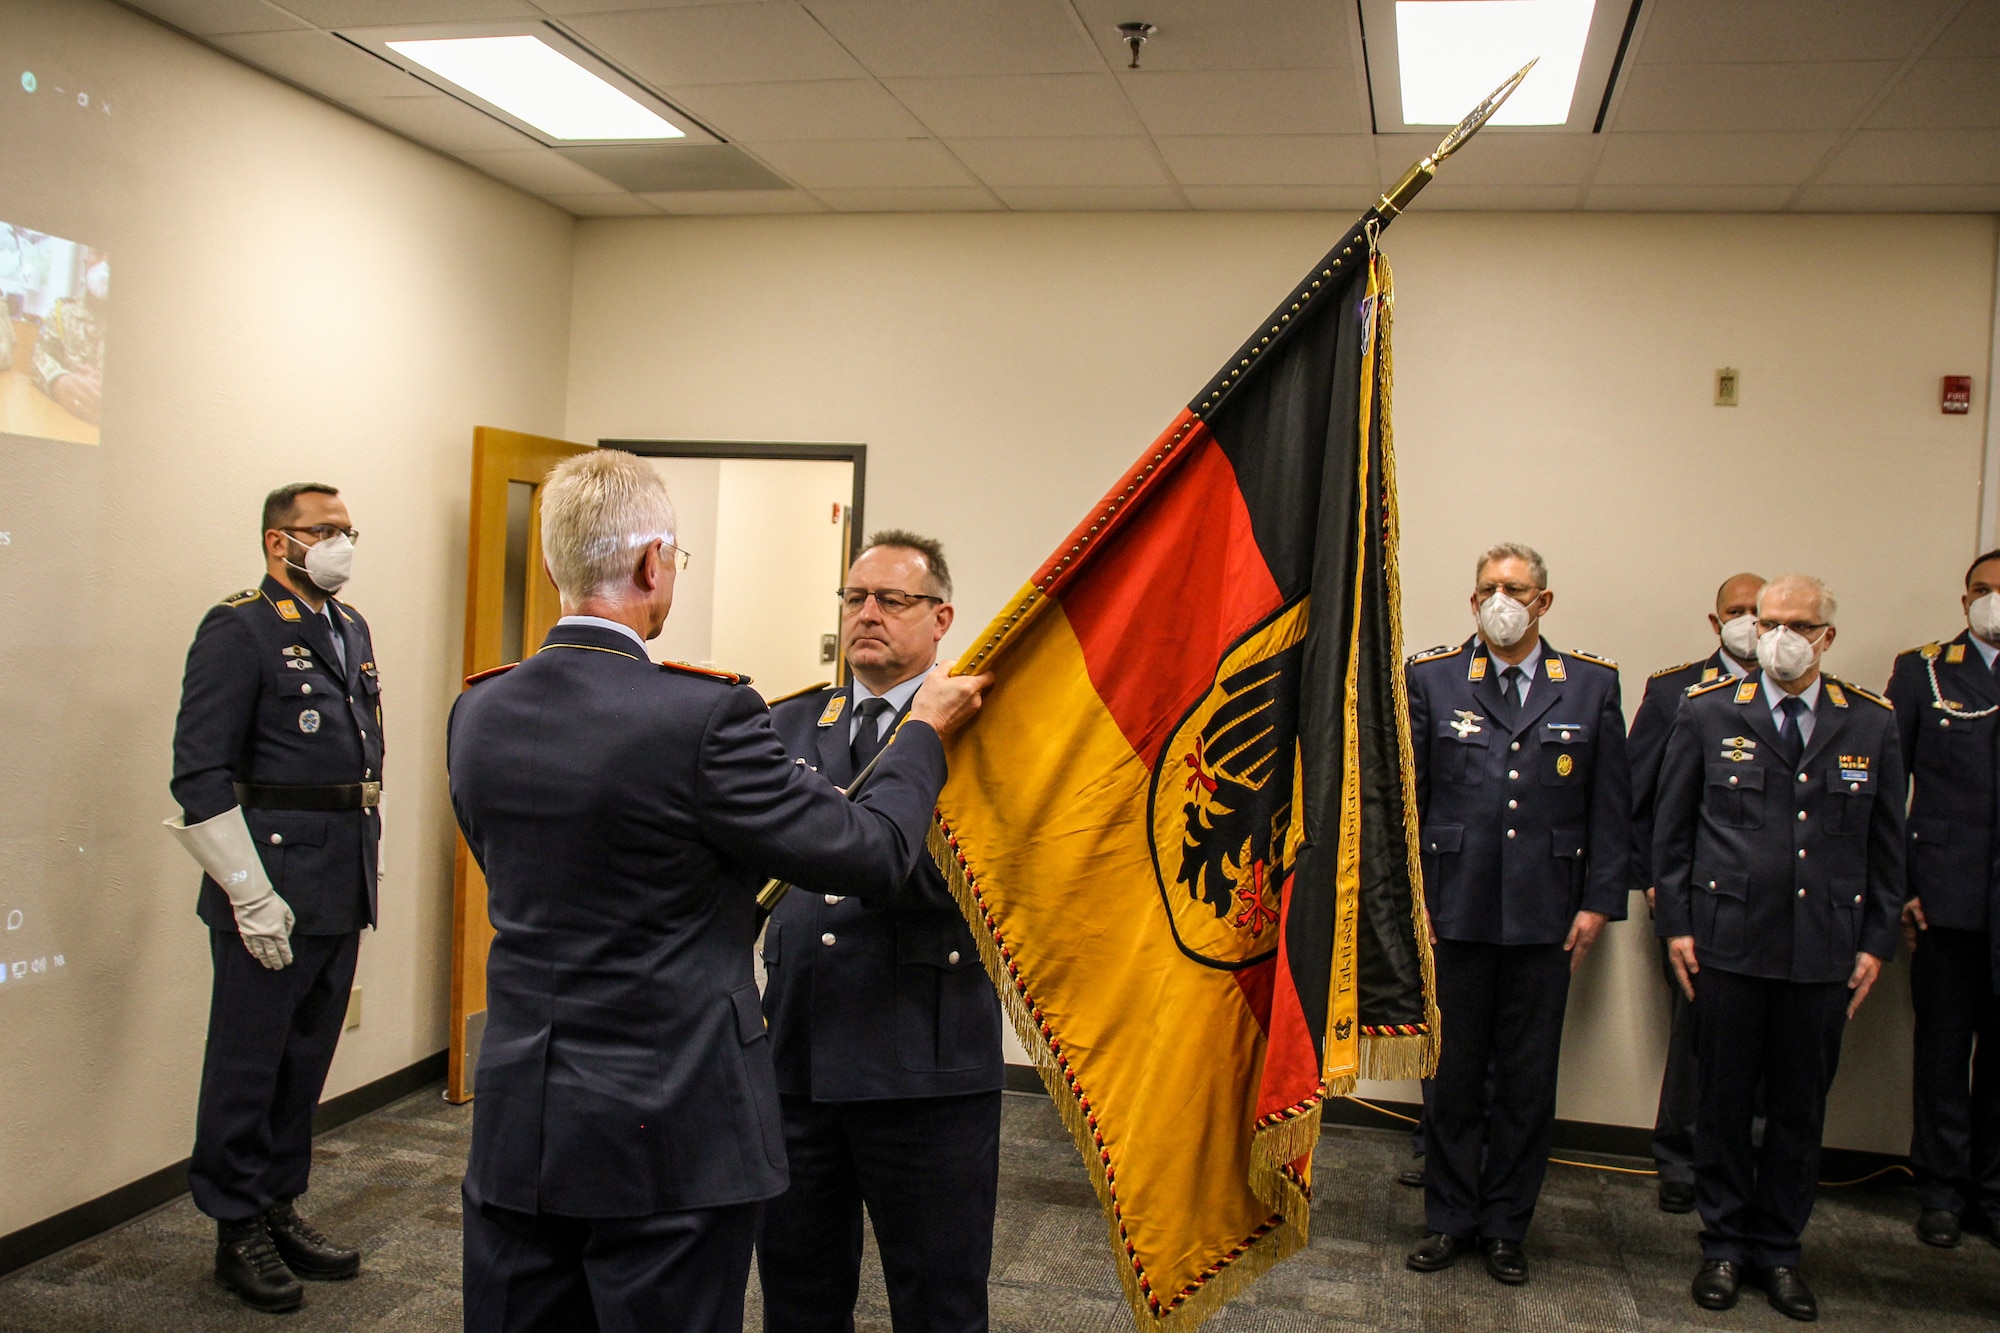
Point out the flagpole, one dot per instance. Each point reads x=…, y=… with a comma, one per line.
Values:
x=1398, y=197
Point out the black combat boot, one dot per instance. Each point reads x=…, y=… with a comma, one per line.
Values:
x=306, y=1252
x=247, y=1263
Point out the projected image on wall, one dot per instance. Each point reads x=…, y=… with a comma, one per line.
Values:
x=52, y=359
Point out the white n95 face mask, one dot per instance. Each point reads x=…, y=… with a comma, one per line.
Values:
x=1785, y=654
x=330, y=563
x=1984, y=616
x=1503, y=620
x=1739, y=637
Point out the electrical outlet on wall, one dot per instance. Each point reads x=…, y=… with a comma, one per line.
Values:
x=353, y=1009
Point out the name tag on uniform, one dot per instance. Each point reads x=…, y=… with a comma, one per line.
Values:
x=833, y=710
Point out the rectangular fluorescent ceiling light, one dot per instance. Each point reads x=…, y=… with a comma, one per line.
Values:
x=1452, y=53
x=535, y=83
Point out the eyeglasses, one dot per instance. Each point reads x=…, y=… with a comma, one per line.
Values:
x=680, y=557
x=325, y=532
x=892, y=601
x=1807, y=628
x=1520, y=592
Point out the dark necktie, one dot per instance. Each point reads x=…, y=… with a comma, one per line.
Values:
x=1789, y=732
x=1510, y=686
x=867, y=741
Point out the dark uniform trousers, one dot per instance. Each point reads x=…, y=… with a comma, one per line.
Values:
x=886, y=1041
x=1781, y=862
x=268, y=698
x=1525, y=817
x=1945, y=701
x=628, y=1123
x=1673, y=1123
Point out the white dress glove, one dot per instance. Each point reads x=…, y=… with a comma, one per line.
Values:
x=221, y=847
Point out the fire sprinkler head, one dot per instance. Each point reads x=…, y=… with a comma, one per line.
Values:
x=1135, y=35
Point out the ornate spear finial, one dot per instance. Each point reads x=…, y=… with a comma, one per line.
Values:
x=1417, y=177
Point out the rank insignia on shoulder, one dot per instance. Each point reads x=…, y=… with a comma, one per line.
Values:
x=1707, y=687
x=1955, y=654
x=813, y=688
x=1554, y=667
x=1833, y=693
x=1476, y=669
x=832, y=711
x=287, y=608
x=489, y=673
x=1593, y=657
x=1869, y=695
x=1928, y=650
x=1433, y=654
x=1668, y=671
x=244, y=598
x=689, y=669
x=1746, y=691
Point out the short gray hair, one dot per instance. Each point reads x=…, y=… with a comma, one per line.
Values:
x=1514, y=551
x=600, y=509
x=930, y=548
x=1796, y=582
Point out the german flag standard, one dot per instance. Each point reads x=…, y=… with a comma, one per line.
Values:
x=1184, y=824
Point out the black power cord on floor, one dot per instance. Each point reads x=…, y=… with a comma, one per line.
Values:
x=1632, y=1170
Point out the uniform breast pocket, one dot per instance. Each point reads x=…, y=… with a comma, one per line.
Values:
x=939, y=981
x=308, y=697
x=1735, y=796
x=1565, y=754
x=1850, y=800
x=1460, y=751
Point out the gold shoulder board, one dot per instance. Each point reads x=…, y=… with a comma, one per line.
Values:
x=1709, y=686
x=1869, y=695
x=687, y=669
x=487, y=674
x=244, y=598
x=800, y=694
x=1668, y=671
x=1593, y=657
x=1433, y=654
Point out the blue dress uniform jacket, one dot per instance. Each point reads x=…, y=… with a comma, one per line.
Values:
x=1646, y=746
x=1500, y=875
x=899, y=1005
x=265, y=700
x=625, y=816
x=1781, y=870
x=1950, y=737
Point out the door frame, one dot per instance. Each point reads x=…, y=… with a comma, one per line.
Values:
x=857, y=454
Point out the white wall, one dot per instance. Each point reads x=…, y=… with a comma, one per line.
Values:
x=694, y=485
x=298, y=295
x=778, y=558
x=1553, y=378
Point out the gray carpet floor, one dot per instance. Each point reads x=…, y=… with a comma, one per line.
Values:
x=1604, y=1256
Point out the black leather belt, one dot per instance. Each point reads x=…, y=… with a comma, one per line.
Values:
x=336, y=796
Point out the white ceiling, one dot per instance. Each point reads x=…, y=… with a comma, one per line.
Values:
x=928, y=105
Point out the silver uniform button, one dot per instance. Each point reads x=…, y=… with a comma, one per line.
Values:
x=1565, y=735
x=1857, y=900
x=364, y=735
x=1513, y=775
x=305, y=689
x=1802, y=777
x=350, y=698
x=1732, y=781
x=1711, y=884
x=1515, y=746
x=1510, y=833
x=951, y=957
x=1944, y=722
x=832, y=898
x=1802, y=853
x=1513, y=805
x=277, y=838
x=826, y=938
x=1854, y=786
x=1802, y=893
x=1802, y=816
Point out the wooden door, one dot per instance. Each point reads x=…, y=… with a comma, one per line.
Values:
x=510, y=606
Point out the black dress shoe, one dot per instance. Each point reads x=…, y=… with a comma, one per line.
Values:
x=1939, y=1227
x=1715, y=1285
x=1676, y=1196
x=1436, y=1251
x=248, y=1264
x=1504, y=1261
x=306, y=1252
x=1789, y=1294
x=1413, y=1174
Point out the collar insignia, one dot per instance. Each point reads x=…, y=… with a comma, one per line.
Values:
x=831, y=714
x=1746, y=691
x=1554, y=667
x=1955, y=654
x=1477, y=669
x=287, y=608
x=1833, y=692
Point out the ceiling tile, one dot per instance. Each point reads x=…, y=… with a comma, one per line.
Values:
x=744, y=43
x=1696, y=31
x=375, y=13
x=1900, y=199
x=323, y=63
x=1090, y=198
x=1711, y=159
x=1027, y=104
x=1494, y=158
x=563, y=7
x=1688, y=198
x=539, y=171
x=1061, y=161
x=1271, y=159
x=941, y=199
x=1975, y=32
x=1916, y=157
x=896, y=39
x=440, y=121
x=210, y=18
x=1247, y=102
x=1767, y=96
x=864, y=164
x=603, y=205
x=1943, y=94
x=1346, y=199
x=1442, y=196
x=813, y=109
x=1224, y=34
x=722, y=202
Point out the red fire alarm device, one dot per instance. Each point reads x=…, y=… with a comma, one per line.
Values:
x=1957, y=398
